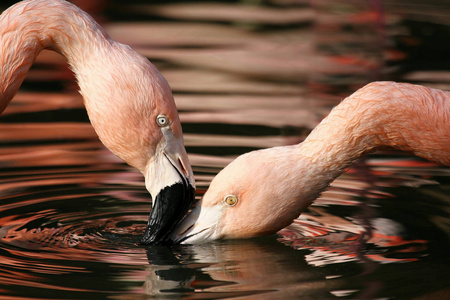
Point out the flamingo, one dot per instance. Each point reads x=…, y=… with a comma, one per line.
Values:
x=129, y=103
x=263, y=191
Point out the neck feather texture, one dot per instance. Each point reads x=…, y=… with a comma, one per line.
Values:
x=399, y=115
x=121, y=89
x=28, y=28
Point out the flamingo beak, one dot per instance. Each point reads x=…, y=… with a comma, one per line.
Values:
x=199, y=226
x=170, y=181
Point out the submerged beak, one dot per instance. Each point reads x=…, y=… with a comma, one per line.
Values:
x=200, y=226
x=170, y=181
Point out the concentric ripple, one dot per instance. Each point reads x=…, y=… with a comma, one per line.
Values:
x=40, y=215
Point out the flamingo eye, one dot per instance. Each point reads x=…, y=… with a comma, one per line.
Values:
x=162, y=120
x=230, y=200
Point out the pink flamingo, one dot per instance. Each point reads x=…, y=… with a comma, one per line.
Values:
x=130, y=104
x=263, y=191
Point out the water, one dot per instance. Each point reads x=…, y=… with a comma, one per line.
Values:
x=246, y=75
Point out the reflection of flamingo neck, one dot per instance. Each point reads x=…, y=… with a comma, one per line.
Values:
x=404, y=116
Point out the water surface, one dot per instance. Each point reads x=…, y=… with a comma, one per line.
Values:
x=246, y=75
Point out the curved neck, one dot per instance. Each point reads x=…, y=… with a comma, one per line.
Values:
x=31, y=26
x=121, y=89
x=399, y=115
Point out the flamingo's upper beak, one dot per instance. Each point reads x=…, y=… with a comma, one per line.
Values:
x=199, y=226
x=170, y=181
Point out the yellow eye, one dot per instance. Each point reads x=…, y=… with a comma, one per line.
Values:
x=162, y=120
x=230, y=200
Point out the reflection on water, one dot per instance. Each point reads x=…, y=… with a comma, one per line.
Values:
x=246, y=75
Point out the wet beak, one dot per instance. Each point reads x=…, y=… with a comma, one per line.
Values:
x=170, y=181
x=200, y=226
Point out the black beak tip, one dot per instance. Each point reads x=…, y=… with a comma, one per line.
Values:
x=170, y=206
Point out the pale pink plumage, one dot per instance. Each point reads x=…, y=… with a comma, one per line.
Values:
x=122, y=91
x=274, y=186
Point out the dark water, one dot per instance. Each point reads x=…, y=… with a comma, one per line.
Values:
x=245, y=75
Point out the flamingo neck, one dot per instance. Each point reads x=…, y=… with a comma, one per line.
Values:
x=398, y=115
x=121, y=89
x=28, y=28
x=330, y=149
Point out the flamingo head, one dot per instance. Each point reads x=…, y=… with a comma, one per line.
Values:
x=253, y=196
x=137, y=120
x=140, y=124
